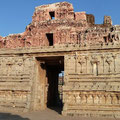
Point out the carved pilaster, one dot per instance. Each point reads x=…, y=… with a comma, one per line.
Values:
x=103, y=61
x=114, y=58
x=109, y=61
x=95, y=62
x=76, y=61
x=86, y=58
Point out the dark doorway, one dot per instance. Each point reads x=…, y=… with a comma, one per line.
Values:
x=52, y=15
x=53, y=94
x=50, y=38
x=53, y=66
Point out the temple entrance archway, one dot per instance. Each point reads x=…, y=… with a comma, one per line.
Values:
x=50, y=82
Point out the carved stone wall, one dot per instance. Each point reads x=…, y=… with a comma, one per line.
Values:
x=92, y=85
x=16, y=83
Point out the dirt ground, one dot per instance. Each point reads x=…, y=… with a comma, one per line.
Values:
x=47, y=114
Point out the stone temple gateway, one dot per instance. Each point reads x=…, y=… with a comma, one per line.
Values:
x=59, y=39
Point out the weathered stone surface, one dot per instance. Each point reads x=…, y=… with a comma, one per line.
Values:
x=58, y=35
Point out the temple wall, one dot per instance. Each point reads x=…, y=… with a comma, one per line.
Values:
x=16, y=83
x=91, y=63
x=92, y=84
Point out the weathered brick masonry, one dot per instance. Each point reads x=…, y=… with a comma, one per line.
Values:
x=60, y=39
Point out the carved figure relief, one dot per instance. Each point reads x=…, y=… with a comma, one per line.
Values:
x=109, y=60
x=93, y=98
x=81, y=61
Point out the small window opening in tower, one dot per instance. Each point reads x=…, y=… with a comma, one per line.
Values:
x=105, y=39
x=52, y=15
x=50, y=38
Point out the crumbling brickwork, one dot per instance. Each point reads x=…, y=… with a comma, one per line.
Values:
x=58, y=36
x=59, y=19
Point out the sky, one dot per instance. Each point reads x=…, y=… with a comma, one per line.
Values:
x=15, y=15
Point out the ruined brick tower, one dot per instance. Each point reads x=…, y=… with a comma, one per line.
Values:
x=59, y=39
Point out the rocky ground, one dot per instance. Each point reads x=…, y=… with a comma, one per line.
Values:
x=48, y=114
